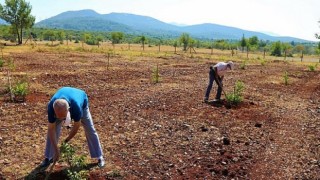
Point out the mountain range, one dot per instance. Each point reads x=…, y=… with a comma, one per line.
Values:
x=89, y=20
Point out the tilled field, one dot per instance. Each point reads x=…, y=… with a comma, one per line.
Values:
x=163, y=130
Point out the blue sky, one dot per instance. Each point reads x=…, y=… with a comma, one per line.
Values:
x=297, y=18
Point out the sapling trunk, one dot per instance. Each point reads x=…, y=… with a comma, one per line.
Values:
x=10, y=85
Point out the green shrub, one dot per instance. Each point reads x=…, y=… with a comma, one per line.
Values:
x=313, y=67
x=75, y=162
x=20, y=90
x=236, y=96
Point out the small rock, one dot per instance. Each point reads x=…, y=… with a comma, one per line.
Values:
x=204, y=129
x=235, y=159
x=258, y=125
x=226, y=141
x=225, y=172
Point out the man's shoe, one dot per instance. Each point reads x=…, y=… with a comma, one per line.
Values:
x=101, y=162
x=205, y=100
x=46, y=162
x=217, y=100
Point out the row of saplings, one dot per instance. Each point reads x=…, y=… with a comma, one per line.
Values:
x=18, y=90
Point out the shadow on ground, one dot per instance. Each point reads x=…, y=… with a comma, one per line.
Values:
x=39, y=173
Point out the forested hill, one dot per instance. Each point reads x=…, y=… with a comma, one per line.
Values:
x=89, y=20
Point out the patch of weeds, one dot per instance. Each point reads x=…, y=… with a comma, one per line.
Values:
x=20, y=90
x=263, y=62
x=243, y=65
x=236, y=96
x=286, y=78
x=155, y=75
x=81, y=175
x=114, y=174
x=11, y=65
x=313, y=67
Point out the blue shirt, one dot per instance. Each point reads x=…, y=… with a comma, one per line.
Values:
x=77, y=99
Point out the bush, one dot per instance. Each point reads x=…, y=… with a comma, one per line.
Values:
x=313, y=67
x=75, y=162
x=20, y=90
x=236, y=96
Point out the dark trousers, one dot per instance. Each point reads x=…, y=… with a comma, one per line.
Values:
x=211, y=80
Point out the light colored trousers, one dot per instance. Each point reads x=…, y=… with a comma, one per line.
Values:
x=91, y=136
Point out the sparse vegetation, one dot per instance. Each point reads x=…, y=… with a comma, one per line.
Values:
x=20, y=90
x=313, y=67
x=76, y=163
x=235, y=97
x=243, y=65
x=155, y=75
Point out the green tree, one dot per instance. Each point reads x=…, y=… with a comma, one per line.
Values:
x=175, y=44
x=286, y=49
x=184, y=39
x=61, y=35
x=85, y=37
x=253, y=41
x=49, y=35
x=18, y=14
x=116, y=37
x=99, y=39
x=300, y=48
x=263, y=46
x=243, y=42
x=276, y=49
x=142, y=39
x=191, y=44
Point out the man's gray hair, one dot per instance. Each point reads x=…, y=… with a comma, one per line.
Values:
x=61, y=104
x=231, y=64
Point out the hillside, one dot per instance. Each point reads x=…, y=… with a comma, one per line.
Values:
x=90, y=20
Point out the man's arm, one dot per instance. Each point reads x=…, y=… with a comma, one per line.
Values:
x=73, y=131
x=53, y=139
x=216, y=76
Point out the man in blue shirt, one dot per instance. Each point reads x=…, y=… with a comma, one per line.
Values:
x=73, y=102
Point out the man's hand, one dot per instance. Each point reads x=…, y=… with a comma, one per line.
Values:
x=73, y=131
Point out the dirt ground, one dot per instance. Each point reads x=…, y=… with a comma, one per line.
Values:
x=164, y=130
